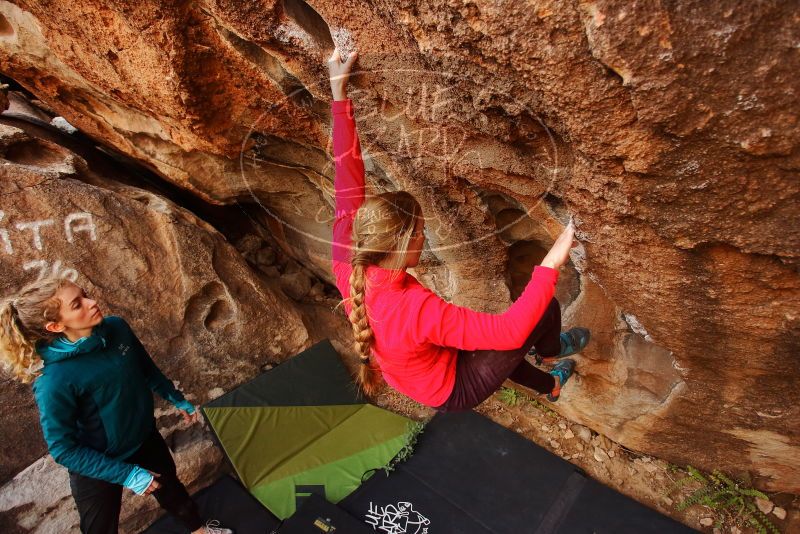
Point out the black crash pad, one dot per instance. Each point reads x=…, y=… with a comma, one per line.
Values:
x=315, y=377
x=227, y=501
x=470, y=475
x=318, y=516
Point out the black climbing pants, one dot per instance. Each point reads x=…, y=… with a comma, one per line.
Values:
x=479, y=373
x=99, y=501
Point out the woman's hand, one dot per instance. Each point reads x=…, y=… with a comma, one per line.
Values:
x=559, y=252
x=190, y=418
x=189, y=411
x=339, y=73
x=154, y=485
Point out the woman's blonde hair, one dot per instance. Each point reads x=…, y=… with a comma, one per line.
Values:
x=22, y=323
x=382, y=230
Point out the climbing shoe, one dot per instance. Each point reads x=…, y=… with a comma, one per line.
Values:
x=572, y=341
x=562, y=371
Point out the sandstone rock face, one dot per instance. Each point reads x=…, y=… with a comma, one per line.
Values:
x=669, y=132
x=207, y=319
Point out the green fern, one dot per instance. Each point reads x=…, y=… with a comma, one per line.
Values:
x=541, y=407
x=750, y=492
x=762, y=524
x=694, y=498
x=510, y=396
x=697, y=475
x=730, y=498
x=681, y=482
x=757, y=516
x=758, y=527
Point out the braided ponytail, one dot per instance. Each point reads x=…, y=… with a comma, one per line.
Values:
x=382, y=231
x=368, y=376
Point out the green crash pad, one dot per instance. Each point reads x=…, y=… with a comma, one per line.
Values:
x=300, y=428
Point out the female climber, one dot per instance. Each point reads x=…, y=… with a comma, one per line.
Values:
x=93, y=382
x=441, y=355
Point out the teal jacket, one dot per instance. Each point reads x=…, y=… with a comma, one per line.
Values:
x=95, y=399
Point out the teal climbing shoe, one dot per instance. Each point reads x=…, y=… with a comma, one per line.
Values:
x=563, y=370
x=572, y=341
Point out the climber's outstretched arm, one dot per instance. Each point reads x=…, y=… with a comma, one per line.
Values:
x=349, y=180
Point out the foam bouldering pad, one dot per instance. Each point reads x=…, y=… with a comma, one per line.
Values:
x=303, y=425
x=317, y=516
x=227, y=501
x=315, y=377
x=601, y=509
x=469, y=474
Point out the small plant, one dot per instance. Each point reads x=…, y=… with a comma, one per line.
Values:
x=729, y=497
x=510, y=396
x=672, y=468
x=415, y=428
x=544, y=408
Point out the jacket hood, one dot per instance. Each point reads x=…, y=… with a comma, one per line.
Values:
x=61, y=348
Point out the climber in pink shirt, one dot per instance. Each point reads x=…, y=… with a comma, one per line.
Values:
x=439, y=354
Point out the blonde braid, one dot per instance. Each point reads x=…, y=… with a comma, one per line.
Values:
x=368, y=376
x=382, y=230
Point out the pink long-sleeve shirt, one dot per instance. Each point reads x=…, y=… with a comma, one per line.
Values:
x=417, y=334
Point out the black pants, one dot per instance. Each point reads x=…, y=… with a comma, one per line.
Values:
x=99, y=501
x=479, y=373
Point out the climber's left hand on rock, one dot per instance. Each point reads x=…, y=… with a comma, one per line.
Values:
x=339, y=73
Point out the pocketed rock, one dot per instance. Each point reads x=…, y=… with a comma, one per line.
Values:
x=317, y=291
x=296, y=284
x=249, y=244
x=270, y=271
x=265, y=257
